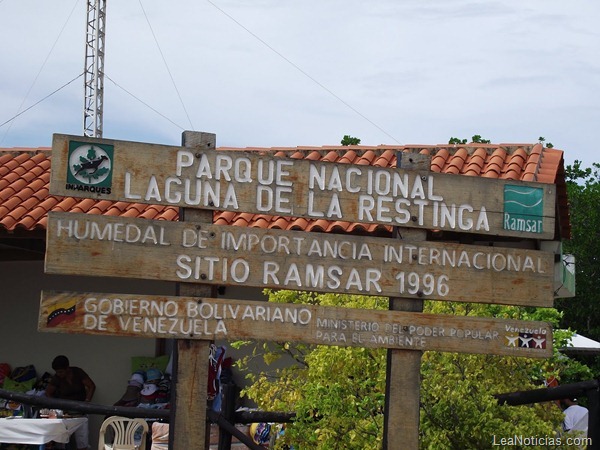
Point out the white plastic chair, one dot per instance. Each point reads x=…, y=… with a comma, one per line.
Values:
x=126, y=432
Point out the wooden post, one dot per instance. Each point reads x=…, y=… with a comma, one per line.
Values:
x=403, y=373
x=189, y=428
x=593, y=396
x=230, y=393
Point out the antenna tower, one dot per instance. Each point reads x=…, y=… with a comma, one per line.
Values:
x=94, y=68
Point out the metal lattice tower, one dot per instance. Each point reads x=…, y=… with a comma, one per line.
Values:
x=94, y=68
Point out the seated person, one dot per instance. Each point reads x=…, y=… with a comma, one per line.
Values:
x=71, y=383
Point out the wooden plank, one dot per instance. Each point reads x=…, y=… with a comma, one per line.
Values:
x=80, y=244
x=190, y=396
x=264, y=184
x=191, y=361
x=403, y=369
x=178, y=317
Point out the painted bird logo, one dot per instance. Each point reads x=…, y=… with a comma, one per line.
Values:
x=91, y=165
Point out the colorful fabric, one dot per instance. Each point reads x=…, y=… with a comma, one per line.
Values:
x=4, y=372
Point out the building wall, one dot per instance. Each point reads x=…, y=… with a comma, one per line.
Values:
x=106, y=359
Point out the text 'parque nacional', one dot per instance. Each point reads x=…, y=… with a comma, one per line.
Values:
x=264, y=184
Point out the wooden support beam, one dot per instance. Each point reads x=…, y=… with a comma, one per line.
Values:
x=189, y=427
x=245, y=417
x=589, y=389
x=403, y=375
x=230, y=395
x=547, y=394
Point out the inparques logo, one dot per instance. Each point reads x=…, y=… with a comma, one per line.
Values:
x=90, y=167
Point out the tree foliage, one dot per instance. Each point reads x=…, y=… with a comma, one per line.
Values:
x=458, y=407
x=350, y=140
x=338, y=393
x=476, y=139
x=582, y=313
x=542, y=140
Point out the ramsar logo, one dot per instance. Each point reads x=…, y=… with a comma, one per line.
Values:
x=523, y=208
x=90, y=167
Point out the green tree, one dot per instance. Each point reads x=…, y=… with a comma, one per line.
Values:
x=582, y=313
x=458, y=141
x=458, y=407
x=476, y=139
x=350, y=140
x=338, y=393
x=542, y=140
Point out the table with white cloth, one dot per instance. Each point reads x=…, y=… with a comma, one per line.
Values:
x=18, y=430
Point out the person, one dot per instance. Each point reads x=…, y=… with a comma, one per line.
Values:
x=132, y=395
x=71, y=383
x=576, y=416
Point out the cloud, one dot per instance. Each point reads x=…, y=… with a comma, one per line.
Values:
x=306, y=73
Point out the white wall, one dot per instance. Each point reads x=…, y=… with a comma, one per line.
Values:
x=106, y=359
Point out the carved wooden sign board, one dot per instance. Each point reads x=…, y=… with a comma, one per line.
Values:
x=251, y=182
x=210, y=319
x=321, y=262
x=80, y=244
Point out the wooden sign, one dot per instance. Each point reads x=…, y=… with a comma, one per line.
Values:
x=210, y=318
x=251, y=182
x=85, y=244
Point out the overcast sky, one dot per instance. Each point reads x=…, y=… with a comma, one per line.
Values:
x=288, y=73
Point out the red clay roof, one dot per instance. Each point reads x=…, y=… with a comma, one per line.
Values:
x=25, y=175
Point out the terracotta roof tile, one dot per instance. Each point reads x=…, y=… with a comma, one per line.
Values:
x=25, y=175
x=515, y=170
x=299, y=224
x=438, y=161
x=281, y=223
x=224, y=218
x=475, y=163
x=366, y=159
x=320, y=225
x=36, y=214
x=66, y=204
x=348, y=157
x=511, y=174
x=42, y=193
x=169, y=214
x=261, y=222
x=386, y=159
x=37, y=185
x=100, y=207
x=331, y=156
x=84, y=206
x=7, y=221
x=4, y=158
x=49, y=203
x=6, y=193
x=313, y=156
x=11, y=204
x=26, y=223
x=461, y=153
x=21, y=211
